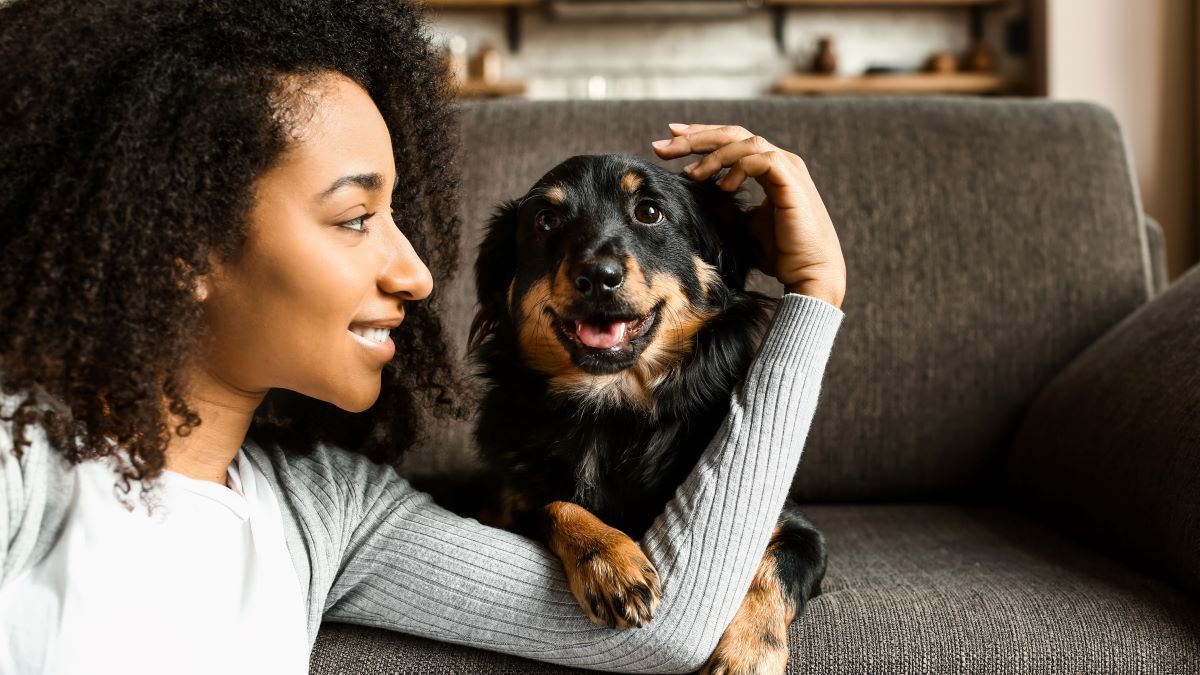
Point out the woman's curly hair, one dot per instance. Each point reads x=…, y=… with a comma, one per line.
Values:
x=131, y=134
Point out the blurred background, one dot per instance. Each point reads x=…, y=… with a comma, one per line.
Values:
x=1139, y=58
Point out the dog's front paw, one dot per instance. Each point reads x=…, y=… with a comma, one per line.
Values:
x=615, y=583
x=612, y=579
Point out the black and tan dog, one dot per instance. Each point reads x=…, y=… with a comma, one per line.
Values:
x=613, y=325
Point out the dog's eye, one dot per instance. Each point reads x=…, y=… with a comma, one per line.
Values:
x=648, y=212
x=546, y=219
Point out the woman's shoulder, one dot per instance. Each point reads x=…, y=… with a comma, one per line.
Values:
x=323, y=460
x=323, y=475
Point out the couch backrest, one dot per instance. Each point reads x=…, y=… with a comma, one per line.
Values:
x=987, y=242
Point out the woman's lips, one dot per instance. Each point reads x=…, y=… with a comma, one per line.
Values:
x=377, y=341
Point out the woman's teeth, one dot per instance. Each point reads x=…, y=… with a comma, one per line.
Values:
x=372, y=334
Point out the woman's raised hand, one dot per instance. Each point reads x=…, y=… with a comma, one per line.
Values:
x=800, y=246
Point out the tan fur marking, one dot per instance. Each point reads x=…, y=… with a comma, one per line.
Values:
x=708, y=275
x=637, y=289
x=630, y=182
x=608, y=574
x=540, y=349
x=763, y=612
x=556, y=194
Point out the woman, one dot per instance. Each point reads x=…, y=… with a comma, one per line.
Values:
x=214, y=218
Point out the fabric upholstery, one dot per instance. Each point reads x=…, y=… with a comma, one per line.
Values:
x=1111, y=448
x=942, y=589
x=988, y=241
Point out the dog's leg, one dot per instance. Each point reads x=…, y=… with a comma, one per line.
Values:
x=612, y=579
x=789, y=575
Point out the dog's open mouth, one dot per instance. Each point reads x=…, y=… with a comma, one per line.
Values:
x=606, y=343
x=605, y=332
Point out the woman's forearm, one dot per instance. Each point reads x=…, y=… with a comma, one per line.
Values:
x=383, y=554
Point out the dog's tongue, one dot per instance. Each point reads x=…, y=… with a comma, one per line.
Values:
x=601, y=336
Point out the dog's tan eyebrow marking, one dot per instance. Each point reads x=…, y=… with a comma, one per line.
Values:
x=556, y=194
x=630, y=182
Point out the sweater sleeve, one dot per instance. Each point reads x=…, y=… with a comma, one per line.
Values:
x=381, y=553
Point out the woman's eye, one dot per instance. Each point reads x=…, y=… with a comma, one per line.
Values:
x=547, y=219
x=648, y=213
x=358, y=224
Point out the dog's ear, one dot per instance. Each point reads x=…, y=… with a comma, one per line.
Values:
x=495, y=267
x=735, y=250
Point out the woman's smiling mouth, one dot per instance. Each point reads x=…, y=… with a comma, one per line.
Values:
x=375, y=337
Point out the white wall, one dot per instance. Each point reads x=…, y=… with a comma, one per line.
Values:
x=1137, y=57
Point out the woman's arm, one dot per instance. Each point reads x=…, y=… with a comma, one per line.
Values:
x=381, y=553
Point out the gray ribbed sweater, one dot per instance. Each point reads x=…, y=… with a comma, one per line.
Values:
x=369, y=549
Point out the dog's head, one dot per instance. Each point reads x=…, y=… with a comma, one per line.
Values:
x=607, y=269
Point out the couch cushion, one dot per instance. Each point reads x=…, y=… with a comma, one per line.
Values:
x=920, y=589
x=1108, y=451
x=987, y=241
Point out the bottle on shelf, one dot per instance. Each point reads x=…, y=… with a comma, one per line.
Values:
x=825, y=60
x=489, y=63
x=979, y=58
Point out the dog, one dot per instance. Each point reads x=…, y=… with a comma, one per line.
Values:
x=613, y=324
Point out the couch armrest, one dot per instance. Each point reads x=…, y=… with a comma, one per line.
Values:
x=1110, y=449
x=1156, y=242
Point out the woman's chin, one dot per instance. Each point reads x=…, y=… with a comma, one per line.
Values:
x=359, y=400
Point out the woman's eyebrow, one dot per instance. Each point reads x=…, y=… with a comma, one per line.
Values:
x=371, y=182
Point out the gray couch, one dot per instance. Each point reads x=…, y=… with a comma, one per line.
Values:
x=1006, y=455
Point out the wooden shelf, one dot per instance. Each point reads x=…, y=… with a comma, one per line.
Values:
x=492, y=4
x=478, y=4
x=840, y=4
x=480, y=89
x=907, y=83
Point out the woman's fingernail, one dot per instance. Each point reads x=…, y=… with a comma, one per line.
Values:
x=691, y=166
x=661, y=144
x=677, y=126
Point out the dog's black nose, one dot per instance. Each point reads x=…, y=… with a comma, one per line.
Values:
x=599, y=277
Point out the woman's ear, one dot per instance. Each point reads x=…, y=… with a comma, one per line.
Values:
x=184, y=278
x=736, y=250
x=200, y=292
x=495, y=269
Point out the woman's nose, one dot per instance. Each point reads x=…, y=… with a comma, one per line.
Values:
x=405, y=273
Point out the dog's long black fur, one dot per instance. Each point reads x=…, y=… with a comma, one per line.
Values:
x=620, y=460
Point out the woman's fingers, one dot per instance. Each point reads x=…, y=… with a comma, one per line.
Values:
x=699, y=138
x=779, y=176
x=728, y=155
x=729, y=146
x=799, y=245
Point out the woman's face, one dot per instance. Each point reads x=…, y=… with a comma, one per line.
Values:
x=325, y=272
